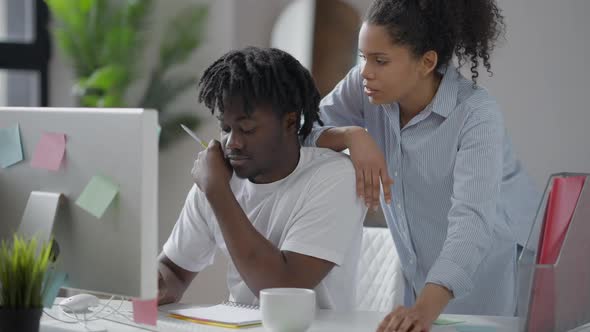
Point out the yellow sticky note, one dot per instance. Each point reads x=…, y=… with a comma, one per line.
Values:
x=97, y=196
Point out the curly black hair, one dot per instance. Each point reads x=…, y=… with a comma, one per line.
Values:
x=468, y=29
x=262, y=75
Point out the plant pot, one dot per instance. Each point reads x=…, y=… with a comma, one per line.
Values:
x=21, y=320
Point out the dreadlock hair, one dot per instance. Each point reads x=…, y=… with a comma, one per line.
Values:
x=263, y=75
x=468, y=29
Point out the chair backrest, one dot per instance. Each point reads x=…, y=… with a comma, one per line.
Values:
x=380, y=282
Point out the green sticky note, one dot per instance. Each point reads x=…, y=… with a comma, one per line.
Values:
x=54, y=280
x=475, y=328
x=159, y=131
x=11, y=150
x=442, y=321
x=97, y=196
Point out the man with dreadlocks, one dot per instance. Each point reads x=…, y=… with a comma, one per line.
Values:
x=287, y=216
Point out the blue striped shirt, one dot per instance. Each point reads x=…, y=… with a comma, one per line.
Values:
x=461, y=200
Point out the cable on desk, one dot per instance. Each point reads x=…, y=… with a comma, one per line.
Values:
x=93, y=317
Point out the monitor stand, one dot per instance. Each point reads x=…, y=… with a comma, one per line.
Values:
x=39, y=215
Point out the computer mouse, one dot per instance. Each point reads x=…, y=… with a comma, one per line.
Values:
x=79, y=303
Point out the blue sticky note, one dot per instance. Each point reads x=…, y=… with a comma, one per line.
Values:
x=475, y=328
x=11, y=150
x=54, y=280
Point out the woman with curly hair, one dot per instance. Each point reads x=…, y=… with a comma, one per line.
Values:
x=455, y=197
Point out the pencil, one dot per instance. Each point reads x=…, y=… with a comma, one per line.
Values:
x=190, y=132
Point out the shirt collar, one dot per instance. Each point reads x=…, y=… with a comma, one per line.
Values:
x=445, y=99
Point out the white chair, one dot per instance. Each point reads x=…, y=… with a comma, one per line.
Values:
x=380, y=280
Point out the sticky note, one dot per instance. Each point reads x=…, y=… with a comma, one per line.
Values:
x=475, y=328
x=159, y=130
x=145, y=311
x=54, y=280
x=11, y=150
x=442, y=321
x=97, y=196
x=50, y=151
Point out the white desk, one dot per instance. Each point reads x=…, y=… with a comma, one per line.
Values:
x=326, y=321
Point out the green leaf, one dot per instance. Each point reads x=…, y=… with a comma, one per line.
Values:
x=64, y=41
x=183, y=34
x=82, y=65
x=86, y=5
x=113, y=100
x=90, y=101
x=119, y=46
x=107, y=78
x=76, y=30
x=61, y=9
x=23, y=264
x=136, y=11
x=71, y=14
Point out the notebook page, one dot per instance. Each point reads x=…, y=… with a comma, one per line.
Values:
x=222, y=313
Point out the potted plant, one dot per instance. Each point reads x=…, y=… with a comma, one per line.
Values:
x=24, y=268
x=105, y=42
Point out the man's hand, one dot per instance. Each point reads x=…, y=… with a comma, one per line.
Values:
x=172, y=280
x=170, y=289
x=211, y=171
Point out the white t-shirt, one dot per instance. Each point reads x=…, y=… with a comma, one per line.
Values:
x=314, y=211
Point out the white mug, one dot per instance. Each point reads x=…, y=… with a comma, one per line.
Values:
x=287, y=309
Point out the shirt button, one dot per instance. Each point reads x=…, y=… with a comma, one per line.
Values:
x=394, y=173
x=399, y=206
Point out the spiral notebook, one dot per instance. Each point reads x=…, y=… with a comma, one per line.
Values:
x=226, y=314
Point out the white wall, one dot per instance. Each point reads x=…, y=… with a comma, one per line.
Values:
x=293, y=30
x=542, y=81
x=255, y=19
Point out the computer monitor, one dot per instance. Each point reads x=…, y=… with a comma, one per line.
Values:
x=116, y=253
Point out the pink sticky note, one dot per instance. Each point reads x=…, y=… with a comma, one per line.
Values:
x=50, y=151
x=145, y=311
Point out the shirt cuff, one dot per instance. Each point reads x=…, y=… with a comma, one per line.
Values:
x=313, y=136
x=184, y=262
x=313, y=251
x=448, y=274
